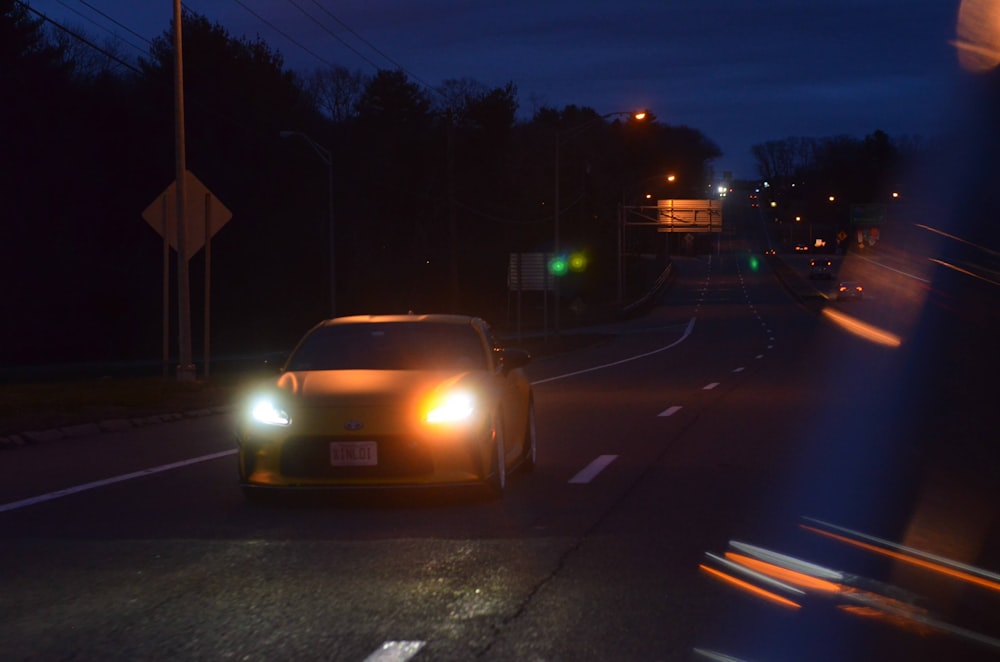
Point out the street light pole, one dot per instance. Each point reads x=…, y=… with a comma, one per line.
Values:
x=327, y=158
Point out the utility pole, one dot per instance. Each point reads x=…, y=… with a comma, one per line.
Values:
x=185, y=368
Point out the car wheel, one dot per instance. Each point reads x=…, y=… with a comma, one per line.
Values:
x=498, y=472
x=529, y=460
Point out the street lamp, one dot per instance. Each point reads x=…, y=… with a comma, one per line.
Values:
x=637, y=115
x=325, y=156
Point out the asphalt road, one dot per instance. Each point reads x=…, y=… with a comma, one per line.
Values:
x=732, y=412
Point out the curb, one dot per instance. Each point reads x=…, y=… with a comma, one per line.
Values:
x=33, y=437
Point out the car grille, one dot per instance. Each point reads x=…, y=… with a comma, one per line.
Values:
x=309, y=457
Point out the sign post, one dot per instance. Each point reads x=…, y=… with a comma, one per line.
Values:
x=204, y=215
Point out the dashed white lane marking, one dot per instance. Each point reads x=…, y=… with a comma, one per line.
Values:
x=14, y=505
x=740, y=369
x=592, y=469
x=759, y=357
x=396, y=651
x=670, y=411
x=709, y=387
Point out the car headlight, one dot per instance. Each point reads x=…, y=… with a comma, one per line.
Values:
x=454, y=407
x=267, y=412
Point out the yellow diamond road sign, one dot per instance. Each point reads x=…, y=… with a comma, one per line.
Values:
x=199, y=205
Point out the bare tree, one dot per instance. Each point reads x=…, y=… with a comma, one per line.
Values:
x=336, y=91
x=455, y=94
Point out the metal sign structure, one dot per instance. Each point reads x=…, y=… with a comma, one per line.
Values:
x=689, y=215
x=869, y=215
x=201, y=220
x=204, y=215
x=529, y=272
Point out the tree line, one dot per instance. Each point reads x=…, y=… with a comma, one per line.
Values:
x=433, y=189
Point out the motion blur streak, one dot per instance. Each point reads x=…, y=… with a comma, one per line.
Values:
x=978, y=33
x=750, y=588
x=900, y=621
x=938, y=567
x=863, y=329
x=917, y=622
x=784, y=574
x=959, y=239
x=964, y=271
x=753, y=574
x=910, y=550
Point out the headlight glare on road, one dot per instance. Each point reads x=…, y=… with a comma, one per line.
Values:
x=265, y=411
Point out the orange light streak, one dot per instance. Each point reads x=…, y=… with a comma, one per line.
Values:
x=913, y=560
x=750, y=588
x=899, y=620
x=792, y=577
x=863, y=329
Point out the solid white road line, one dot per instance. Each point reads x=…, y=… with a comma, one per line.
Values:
x=687, y=332
x=592, y=469
x=14, y=505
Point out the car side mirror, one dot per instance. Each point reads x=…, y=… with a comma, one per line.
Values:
x=273, y=363
x=512, y=358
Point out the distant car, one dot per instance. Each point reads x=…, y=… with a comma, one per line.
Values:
x=390, y=401
x=850, y=290
x=770, y=251
x=821, y=268
x=801, y=248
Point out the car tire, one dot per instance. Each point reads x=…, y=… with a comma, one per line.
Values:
x=497, y=480
x=530, y=458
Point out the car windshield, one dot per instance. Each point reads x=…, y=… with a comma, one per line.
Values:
x=390, y=346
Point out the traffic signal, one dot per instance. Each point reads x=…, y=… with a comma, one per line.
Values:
x=558, y=265
x=577, y=262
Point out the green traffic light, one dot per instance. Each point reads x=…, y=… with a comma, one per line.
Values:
x=558, y=266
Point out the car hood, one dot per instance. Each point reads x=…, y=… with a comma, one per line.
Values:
x=369, y=387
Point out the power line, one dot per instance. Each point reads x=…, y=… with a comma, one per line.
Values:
x=365, y=42
x=121, y=25
x=95, y=23
x=332, y=34
x=283, y=33
x=80, y=38
x=369, y=45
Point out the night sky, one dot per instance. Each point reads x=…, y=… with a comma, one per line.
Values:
x=741, y=71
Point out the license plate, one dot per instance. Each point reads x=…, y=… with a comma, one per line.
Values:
x=353, y=453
